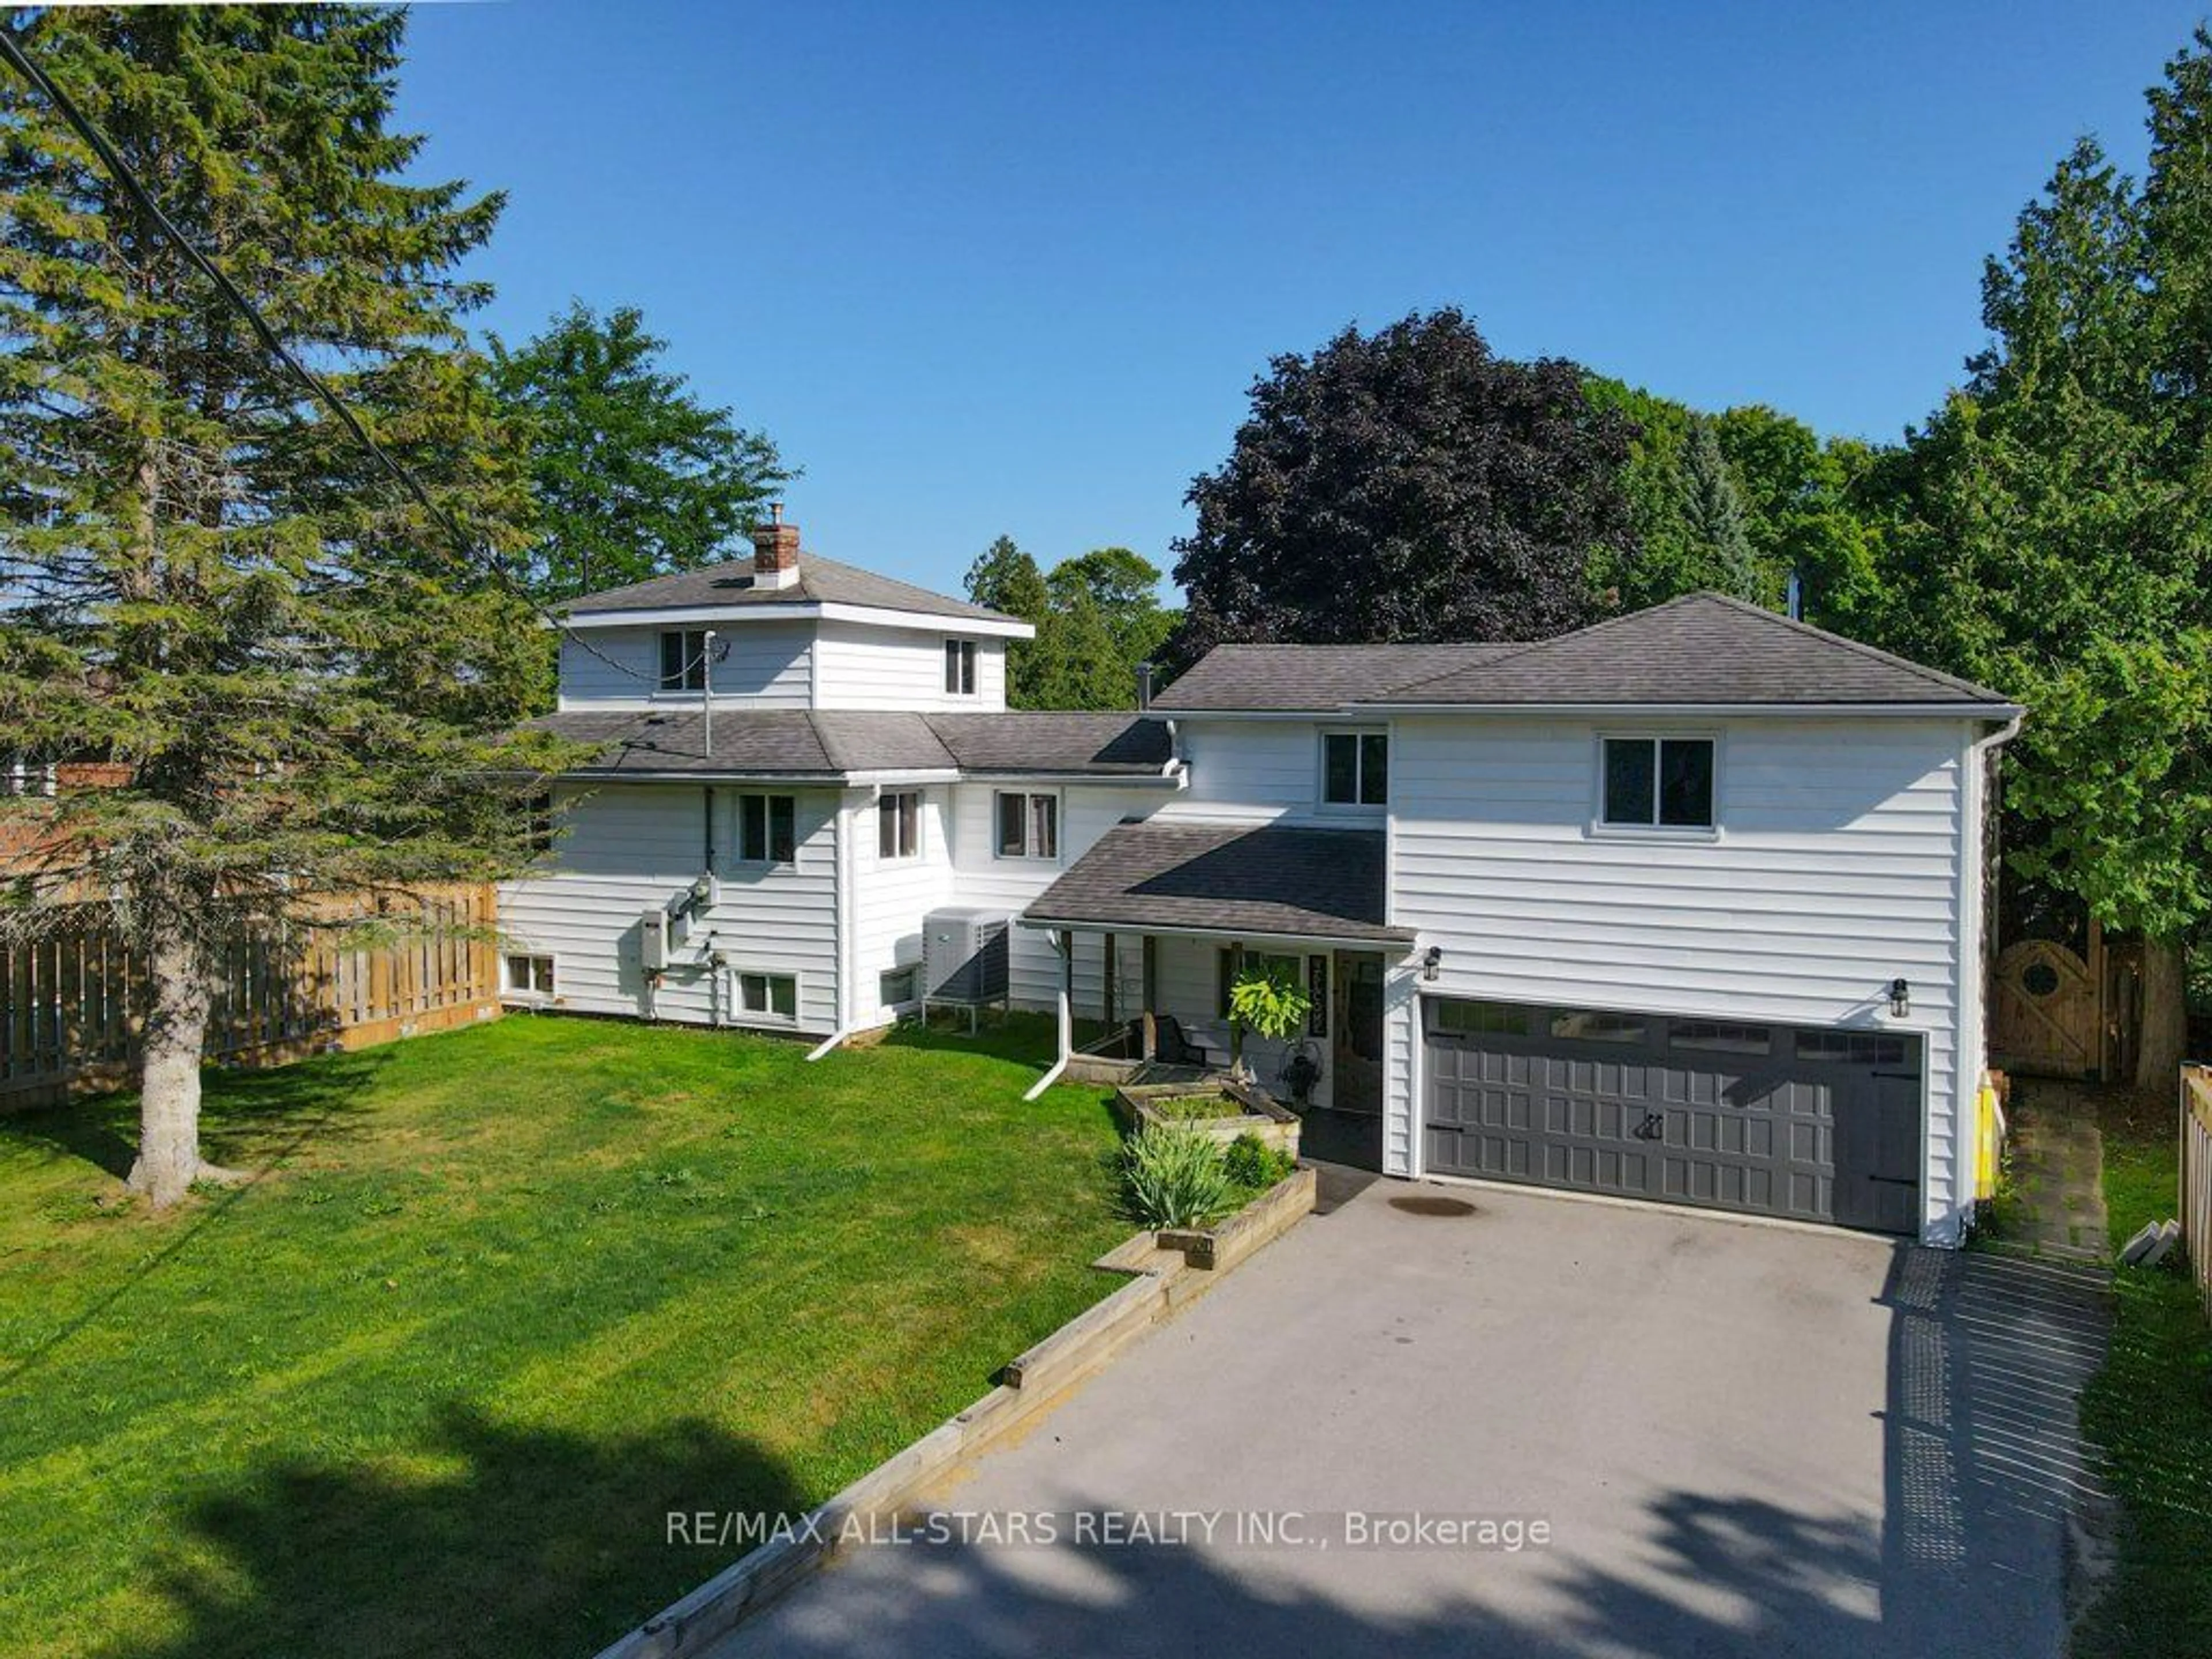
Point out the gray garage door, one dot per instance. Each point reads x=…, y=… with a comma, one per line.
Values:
x=1818, y=1124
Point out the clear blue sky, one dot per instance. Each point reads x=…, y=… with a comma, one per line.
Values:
x=1012, y=268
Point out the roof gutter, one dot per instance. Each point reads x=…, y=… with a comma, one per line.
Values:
x=1333, y=941
x=768, y=610
x=2002, y=711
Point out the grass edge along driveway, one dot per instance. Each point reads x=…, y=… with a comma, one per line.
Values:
x=506, y=1297
x=2150, y=1409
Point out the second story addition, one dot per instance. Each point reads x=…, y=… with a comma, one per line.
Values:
x=787, y=629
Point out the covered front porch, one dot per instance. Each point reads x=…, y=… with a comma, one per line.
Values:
x=1167, y=917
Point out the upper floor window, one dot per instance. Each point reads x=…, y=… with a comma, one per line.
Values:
x=898, y=824
x=960, y=668
x=683, y=659
x=766, y=829
x=1028, y=826
x=1355, y=768
x=1658, y=783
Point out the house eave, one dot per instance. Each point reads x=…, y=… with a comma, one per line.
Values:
x=766, y=610
x=1957, y=711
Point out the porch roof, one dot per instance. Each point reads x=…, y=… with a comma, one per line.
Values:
x=1239, y=880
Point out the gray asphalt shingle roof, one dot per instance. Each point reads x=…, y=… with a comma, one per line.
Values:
x=1703, y=649
x=1700, y=649
x=821, y=581
x=1234, y=879
x=1309, y=677
x=800, y=743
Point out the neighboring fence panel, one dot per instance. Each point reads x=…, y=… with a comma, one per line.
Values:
x=74, y=1001
x=2195, y=1203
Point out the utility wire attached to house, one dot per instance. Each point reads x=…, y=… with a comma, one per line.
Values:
x=11, y=48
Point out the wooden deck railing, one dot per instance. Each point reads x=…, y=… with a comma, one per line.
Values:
x=2195, y=1198
x=73, y=1003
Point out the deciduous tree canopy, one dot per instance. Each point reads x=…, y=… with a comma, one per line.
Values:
x=1407, y=484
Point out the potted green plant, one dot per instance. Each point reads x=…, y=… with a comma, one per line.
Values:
x=1269, y=1003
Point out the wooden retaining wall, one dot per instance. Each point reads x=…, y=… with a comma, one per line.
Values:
x=73, y=1003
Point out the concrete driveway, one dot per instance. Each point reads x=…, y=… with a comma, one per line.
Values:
x=1742, y=1439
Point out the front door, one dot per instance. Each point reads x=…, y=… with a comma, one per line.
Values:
x=1349, y=1129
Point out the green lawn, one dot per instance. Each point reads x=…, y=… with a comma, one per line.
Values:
x=505, y=1298
x=2151, y=1408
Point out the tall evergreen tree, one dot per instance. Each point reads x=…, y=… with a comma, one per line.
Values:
x=209, y=582
x=1712, y=508
x=635, y=477
x=1006, y=579
x=2053, y=537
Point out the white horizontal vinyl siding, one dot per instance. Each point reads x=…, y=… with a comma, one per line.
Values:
x=981, y=878
x=861, y=665
x=1252, y=770
x=766, y=665
x=1838, y=867
x=628, y=847
x=890, y=898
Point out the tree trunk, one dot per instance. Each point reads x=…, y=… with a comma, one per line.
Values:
x=169, y=1073
x=2164, y=1016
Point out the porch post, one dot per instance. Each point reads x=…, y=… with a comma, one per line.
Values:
x=1112, y=964
x=1066, y=942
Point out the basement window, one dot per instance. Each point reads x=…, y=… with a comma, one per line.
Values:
x=524, y=975
x=766, y=829
x=769, y=996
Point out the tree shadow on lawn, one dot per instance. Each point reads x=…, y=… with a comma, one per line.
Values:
x=504, y=1540
x=252, y=1122
x=251, y=1119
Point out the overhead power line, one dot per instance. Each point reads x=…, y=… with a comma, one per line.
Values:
x=12, y=49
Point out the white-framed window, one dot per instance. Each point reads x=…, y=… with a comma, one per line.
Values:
x=23, y=775
x=1355, y=768
x=768, y=996
x=896, y=987
x=1028, y=825
x=1658, y=782
x=898, y=824
x=683, y=659
x=960, y=668
x=768, y=829
x=523, y=974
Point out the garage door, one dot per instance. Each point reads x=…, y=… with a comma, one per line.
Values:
x=1814, y=1123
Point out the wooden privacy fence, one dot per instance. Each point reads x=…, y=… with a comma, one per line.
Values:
x=75, y=1000
x=2195, y=1203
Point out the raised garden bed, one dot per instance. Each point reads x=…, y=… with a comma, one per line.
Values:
x=1215, y=1107
x=1232, y=1239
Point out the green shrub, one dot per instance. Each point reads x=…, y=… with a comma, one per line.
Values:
x=1254, y=1165
x=1173, y=1177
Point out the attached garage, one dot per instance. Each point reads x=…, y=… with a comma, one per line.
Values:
x=1812, y=1123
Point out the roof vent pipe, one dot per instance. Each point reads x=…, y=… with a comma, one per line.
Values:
x=1793, y=599
x=1144, y=685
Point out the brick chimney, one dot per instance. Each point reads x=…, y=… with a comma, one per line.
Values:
x=776, y=550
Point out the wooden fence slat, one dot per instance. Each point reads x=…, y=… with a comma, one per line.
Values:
x=75, y=999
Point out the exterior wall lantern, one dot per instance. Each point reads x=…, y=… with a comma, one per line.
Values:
x=1433, y=960
x=1900, y=998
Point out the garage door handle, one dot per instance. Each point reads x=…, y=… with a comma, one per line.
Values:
x=1653, y=1127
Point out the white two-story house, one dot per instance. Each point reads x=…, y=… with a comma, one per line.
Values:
x=1687, y=906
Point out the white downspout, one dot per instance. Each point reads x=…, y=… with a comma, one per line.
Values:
x=846, y=944
x=1063, y=941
